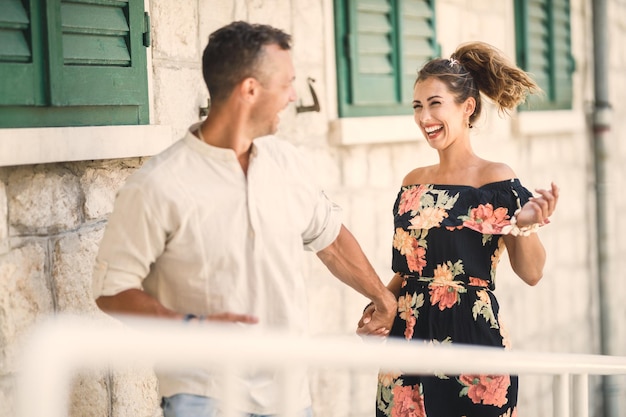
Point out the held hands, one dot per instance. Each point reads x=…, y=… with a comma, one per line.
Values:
x=378, y=317
x=538, y=209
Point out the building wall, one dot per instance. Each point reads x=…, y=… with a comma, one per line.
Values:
x=52, y=215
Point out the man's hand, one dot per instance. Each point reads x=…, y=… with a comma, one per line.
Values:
x=378, y=317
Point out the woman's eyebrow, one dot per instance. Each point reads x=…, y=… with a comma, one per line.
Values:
x=428, y=99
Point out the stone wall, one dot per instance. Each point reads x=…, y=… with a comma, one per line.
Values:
x=52, y=216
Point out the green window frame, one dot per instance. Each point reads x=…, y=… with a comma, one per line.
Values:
x=543, y=43
x=380, y=46
x=73, y=63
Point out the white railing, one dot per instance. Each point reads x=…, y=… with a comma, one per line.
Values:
x=61, y=346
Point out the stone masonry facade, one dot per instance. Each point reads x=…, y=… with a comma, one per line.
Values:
x=52, y=215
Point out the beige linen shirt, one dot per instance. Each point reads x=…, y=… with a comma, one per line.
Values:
x=193, y=231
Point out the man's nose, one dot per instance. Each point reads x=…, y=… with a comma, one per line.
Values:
x=292, y=94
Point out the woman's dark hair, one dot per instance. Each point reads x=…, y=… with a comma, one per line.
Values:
x=233, y=54
x=476, y=68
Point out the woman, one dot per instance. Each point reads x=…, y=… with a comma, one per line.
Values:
x=453, y=221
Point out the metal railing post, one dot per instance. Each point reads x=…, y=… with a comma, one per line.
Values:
x=580, y=392
x=560, y=392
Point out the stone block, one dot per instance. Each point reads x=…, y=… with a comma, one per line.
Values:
x=330, y=391
x=24, y=298
x=4, y=224
x=326, y=303
x=354, y=167
x=100, y=186
x=213, y=14
x=89, y=395
x=8, y=405
x=176, y=36
x=277, y=15
x=363, y=392
x=379, y=163
x=363, y=219
x=43, y=199
x=322, y=166
x=73, y=258
x=308, y=32
x=135, y=393
x=181, y=92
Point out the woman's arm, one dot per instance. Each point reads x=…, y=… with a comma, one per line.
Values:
x=526, y=253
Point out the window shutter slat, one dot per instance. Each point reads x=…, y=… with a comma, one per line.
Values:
x=14, y=24
x=563, y=90
x=13, y=46
x=418, y=42
x=95, y=50
x=544, y=50
x=380, y=44
x=72, y=63
x=372, y=67
x=100, y=55
x=18, y=82
x=94, y=35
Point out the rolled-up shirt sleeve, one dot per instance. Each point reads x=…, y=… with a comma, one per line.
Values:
x=132, y=240
x=325, y=224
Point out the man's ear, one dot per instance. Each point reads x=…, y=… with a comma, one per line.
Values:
x=249, y=89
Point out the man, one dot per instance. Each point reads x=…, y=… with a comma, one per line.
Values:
x=213, y=228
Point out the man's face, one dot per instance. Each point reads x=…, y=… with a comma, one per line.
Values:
x=276, y=89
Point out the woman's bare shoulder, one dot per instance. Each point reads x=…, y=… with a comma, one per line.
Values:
x=496, y=171
x=420, y=175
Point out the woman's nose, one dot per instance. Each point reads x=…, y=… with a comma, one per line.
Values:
x=423, y=115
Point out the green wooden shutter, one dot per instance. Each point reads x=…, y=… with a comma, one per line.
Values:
x=372, y=53
x=563, y=62
x=544, y=50
x=96, y=58
x=418, y=42
x=73, y=63
x=380, y=46
x=20, y=56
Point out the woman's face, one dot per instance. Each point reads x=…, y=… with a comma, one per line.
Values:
x=441, y=119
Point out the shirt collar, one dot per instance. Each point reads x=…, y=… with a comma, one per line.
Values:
x=215, y=152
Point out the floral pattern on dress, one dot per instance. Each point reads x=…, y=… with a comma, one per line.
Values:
x=447, y=244
x=395, y=399
x=482, y=307
x=428, y=208
x=408, y=402
x=409, y=246
x=408, y=309
x=444, y=290
x=486, y=389
x=486, y=220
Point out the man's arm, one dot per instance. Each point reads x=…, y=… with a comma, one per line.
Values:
x=138, y=302
x=346, y=260
x=135, y=301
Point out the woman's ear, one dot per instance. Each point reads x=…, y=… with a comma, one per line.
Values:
x=470, y=106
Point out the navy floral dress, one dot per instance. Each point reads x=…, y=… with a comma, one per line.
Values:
x=447, y=244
